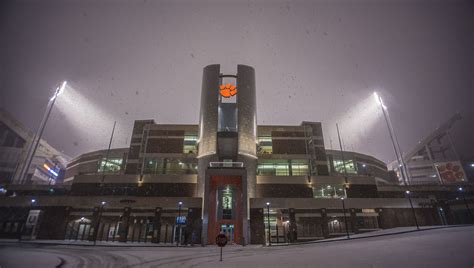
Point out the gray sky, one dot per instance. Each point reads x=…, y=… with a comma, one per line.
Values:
x=314, y=60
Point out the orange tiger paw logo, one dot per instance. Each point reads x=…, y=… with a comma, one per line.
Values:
x=227, y=90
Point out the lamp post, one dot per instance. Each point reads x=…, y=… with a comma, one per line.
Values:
x=178, y=241
x=345, y=219
x=36, y=139
x=268, y=221
x=412, y=208
x=97, y=225
x=461, y=190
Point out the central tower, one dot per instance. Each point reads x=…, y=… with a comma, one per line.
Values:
x=227, y=146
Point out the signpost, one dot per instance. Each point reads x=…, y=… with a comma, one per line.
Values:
x=221, y=241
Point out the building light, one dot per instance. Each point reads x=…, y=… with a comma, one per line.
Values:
x=50, y=170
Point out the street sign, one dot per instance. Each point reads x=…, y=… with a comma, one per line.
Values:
x=221, y=241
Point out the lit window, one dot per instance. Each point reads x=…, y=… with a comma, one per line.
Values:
x=264, y=145
x=111, y=165
x=339, y=168
x=189, y=145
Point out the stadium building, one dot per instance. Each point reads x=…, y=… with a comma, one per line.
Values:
x=182, y=184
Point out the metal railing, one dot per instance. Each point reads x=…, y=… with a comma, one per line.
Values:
x=226, y=164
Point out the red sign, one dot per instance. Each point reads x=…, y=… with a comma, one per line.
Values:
x=221, y=240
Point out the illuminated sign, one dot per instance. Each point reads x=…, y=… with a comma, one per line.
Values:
x=50, y=170
x=227, y=90
x=181, y=220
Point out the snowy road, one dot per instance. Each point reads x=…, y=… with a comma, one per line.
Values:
x=449, y=247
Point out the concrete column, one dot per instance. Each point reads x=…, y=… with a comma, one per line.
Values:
x=193, y=225
x=293, y=227
x=123, y=230
x=257, y=226
x=353, y=219
x=380, y=218
x=53, y=223
x=94, y=219
x=157, y=226
x=324, y=220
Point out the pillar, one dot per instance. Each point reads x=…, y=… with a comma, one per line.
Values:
x=157, y=226
x=353, y=219
x=94, y=226
x=123, y=230
x=324, y=220
x=257, y=226
x=292, y=226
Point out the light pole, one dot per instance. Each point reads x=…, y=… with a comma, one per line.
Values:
x=268, y=221
x=36, y=139
x=345, y=219
x=461, y=190
x=412, y=209
x=393, y=138
x=398, y=152
x=97, y=225
x=178, y=241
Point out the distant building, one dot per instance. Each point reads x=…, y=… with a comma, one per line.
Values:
x=434, y=159
x=48, y=165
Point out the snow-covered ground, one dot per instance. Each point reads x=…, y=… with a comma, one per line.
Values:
x=445, y=247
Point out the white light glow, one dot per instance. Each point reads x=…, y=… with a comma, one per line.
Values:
x=81, y=116
x=59, y=90
x=356, y=124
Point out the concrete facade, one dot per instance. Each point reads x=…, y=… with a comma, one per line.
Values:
x=183, y=184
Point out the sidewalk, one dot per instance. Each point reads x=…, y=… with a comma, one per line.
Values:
x=384, y=232
x=89, y=243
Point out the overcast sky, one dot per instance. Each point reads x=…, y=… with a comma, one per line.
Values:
x=314, y=61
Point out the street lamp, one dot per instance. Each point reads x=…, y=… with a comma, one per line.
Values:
x=345, y=219
x=268, y=221
x=461, y=190
x=97, y=225
x=408, y=193
x=178, y=241
x=39, y=132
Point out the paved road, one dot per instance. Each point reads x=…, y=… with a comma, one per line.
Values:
x=450, y=247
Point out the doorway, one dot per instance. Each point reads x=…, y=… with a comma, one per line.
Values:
x=228, y=230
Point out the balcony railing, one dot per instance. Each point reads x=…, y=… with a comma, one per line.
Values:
x=226, y=164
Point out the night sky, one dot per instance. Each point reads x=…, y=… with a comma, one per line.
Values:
x=314, y=61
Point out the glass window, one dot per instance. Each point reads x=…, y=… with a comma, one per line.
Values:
x=111, y=165
x=339, y=168
x=153, y=166
x=329, y=191
x=170, y=166
x=299, y=167
x=189, y=146
x=273, y=167
x=265, y=145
